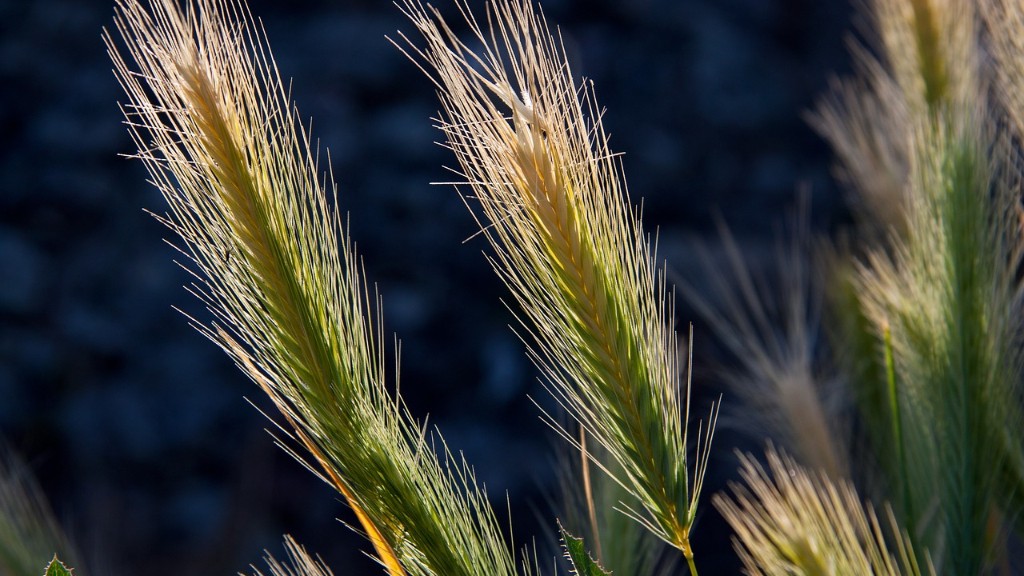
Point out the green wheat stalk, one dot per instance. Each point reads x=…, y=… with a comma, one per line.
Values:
x=789, y=520
x=530, y=146
x=215, y=128
x=948, y=294
x=937, y=291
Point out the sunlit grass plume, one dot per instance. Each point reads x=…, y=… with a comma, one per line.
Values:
x=790, y=520
x=936, y=294
x=532, y=150
x=213, y=124
x=768, y=320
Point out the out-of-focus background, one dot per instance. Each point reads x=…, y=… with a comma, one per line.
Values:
x=139, y=429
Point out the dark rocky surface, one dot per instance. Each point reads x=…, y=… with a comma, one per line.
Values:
x=139, y=429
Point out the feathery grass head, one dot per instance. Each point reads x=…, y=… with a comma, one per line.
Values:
x=214, y=126
x=531, y=148
x=768, y=320
x=930, y=49
x=920, y=59
x=948, y=296
x=867, y=124
x=299, y=562
x=939, y=295
x=789, y=520
x=1004, y=22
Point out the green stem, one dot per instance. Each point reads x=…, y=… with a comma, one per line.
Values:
x=683, y=543
x=894, y=410
x=693, y=568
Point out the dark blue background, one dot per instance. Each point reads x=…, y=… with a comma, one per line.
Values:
x=138, y=427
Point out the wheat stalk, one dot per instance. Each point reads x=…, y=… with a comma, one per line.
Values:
x=531, y=148
x=214, y=126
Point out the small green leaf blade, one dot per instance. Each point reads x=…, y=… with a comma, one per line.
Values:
x=582, y=563
x=57, y=568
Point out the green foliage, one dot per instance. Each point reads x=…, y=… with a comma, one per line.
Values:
x=582, y=563
x=947, y=294
x=57, y=568
x=929, y=303
x=939, y=291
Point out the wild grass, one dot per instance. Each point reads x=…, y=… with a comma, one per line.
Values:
x=299, y=563
x=571, y=250
x=769, y=321
x=945, y=297
x=941, y=294
x=922, y=305
x=790, y=520
x=929, y=301
x=214, y=126
x=273, y=264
